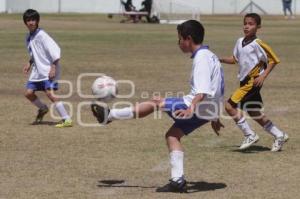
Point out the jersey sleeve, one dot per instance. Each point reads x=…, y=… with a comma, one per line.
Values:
x=236, y=51
x=202, y=76
x=272, y=57
x=51, y=47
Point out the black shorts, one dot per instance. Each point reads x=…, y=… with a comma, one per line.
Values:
x=247, y=96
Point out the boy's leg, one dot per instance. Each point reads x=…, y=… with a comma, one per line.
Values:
x=31, y=96
x=242, y=95
x=145, y=108
x=289, y=8
x=42, y=108
x=177, y=181
x=280, y=136
x=105, y=115
x=173, y=137
x=249, y=134
x=284, y=8
x=66, y=119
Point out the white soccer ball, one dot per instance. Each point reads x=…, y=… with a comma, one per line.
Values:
x=104, y=88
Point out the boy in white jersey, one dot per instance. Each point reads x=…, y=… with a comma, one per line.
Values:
x=45, y=69
x=197, y=108
x=256, y=60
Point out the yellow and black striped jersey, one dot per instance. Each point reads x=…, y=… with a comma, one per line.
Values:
x=252, y=57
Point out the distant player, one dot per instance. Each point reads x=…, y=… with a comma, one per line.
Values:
x=190, y=112
x=45, y=69
x=256, y=60
x=287, y=6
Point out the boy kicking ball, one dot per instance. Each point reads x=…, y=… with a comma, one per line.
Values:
x=200, y=106
x=256, y=60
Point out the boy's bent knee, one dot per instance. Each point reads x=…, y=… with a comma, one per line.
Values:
x=158, y=101
x=29, y=93
x=174, y=133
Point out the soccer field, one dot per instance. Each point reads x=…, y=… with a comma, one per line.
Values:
x=129, y=159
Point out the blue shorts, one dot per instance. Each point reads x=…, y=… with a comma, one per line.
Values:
x=42, y=85
x=187, y=125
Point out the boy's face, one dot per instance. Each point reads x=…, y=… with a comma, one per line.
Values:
x=184, y=44
x=32, y=25
x=250, y=27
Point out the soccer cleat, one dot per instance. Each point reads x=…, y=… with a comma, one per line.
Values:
x=41, y=113
x=278, y=143
x=248, y=141
x=101, y=113
x=64, y=123
x=179, y=186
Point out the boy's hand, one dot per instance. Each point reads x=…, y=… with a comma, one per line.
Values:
x=52, y=72
x=183, y=113
x=26, y=68
x=216, y=126
x=259, y=81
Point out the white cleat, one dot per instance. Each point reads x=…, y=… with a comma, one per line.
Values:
x=248, y=141
x=278, y=143
x=286, y=137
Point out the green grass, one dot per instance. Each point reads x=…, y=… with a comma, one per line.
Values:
x=45, y=162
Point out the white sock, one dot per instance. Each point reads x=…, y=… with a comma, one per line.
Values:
x=61, y=110
x=120, y=114
x=273, y=130
x=176, y=161
x=39, y=104
x=244, y=126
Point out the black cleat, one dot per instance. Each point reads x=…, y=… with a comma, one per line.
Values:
x=101, y=113
x=179, y=186
x=41, y=113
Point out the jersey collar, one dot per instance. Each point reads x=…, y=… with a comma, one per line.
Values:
x=198, y=49
x=31, y=35
x=247, y=41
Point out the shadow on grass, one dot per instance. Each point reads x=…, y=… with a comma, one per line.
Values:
x=252, y=149
x=119, y=184
x=49, y=123
x=192, y=187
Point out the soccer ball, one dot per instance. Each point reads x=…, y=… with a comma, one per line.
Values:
x=104, y=88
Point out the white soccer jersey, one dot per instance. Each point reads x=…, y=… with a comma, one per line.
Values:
x=252, y=54
x=206, y=78
x=44, y=51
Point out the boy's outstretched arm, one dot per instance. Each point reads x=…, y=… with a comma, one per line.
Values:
x=227, y=60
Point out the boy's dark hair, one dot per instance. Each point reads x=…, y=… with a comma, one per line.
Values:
x=254, y=16
x=192, y=28
x=31, y=14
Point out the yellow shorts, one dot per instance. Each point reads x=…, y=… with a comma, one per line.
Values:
x=247, y=96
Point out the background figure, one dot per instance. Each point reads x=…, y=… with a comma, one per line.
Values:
x=146, y=7
x=287, y=4
x=128, y=5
